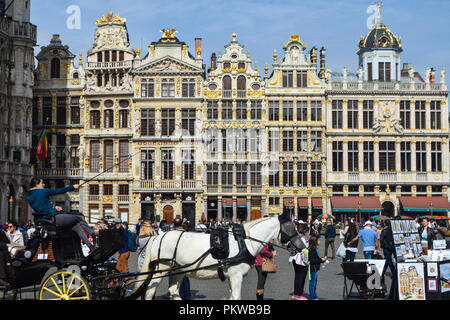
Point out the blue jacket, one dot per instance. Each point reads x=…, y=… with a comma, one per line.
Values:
x=330, y=232
x=39, y=199
x=125, y=247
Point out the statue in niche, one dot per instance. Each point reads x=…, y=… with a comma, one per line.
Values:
x=295, y=53
x=443, y=76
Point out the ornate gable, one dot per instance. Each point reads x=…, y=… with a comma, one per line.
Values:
x=167, y=64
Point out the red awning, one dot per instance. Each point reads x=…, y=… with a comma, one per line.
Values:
x=288, y=202
x=227, y=201
x=241, y=202
x=317, y=202
x=353, y=204
x=437, y=204
x=303, y=202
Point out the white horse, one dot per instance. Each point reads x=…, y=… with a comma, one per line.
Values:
x=192, y=246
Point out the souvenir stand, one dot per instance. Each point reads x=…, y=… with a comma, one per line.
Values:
x=419, y=277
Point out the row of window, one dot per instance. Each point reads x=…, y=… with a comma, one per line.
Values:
x=96, y=155
x=94, y=189
x=110, y=56
x=168, y=88
x=167, y=164
x=167, y=122
x=108, y=119
x=386, y=156
x=382, y=188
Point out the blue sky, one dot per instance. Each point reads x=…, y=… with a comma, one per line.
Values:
x=261, y=26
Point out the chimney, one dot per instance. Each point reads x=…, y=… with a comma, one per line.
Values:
x=198, y=46
x=213, y=61
x=322, y=63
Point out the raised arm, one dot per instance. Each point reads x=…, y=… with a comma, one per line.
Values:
x=52, y=192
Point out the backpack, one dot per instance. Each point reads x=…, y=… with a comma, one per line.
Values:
x=132, y=241
x=304, y=257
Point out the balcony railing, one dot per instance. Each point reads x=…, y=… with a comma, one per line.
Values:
x=19, y=29
x=109, y=65
x=241, y=93
x=147, y=185
x=388, y=176
x=383, y=177
x=227, y=93
x=12, y=168
x=123, y=198
x=53, y=172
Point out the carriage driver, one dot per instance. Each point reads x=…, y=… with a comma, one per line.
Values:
x=39, y=199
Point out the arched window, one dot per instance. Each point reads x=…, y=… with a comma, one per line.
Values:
x=109, y=118
x=55, y=68
x=226, y=86
x=241, y=86
x=95, y=119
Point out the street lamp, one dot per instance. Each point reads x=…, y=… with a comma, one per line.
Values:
x=359, y=210
x=11, y=208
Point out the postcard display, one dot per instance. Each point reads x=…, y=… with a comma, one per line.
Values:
x=417, y=280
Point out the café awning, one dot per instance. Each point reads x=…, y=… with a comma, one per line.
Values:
x=241, y=202
x=355, y=204
x=425, y=204
x=317, y=203
x=227, y=202
x=289, y=202
x=303, y=203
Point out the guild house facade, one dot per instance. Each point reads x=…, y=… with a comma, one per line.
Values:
x=158, y=134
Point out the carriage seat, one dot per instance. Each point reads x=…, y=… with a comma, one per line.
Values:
x=47, y=223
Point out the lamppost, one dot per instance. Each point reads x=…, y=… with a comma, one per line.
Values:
x=359, y=210
x=11, y=208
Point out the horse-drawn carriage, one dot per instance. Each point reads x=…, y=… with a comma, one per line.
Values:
x=54, y=261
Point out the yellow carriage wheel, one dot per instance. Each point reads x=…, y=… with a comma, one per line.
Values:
x=64, y=285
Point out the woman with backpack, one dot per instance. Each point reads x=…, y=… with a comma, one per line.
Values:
x=300, y=263
x=314, y=265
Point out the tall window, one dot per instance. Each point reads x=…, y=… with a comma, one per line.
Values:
x=405, y=114
x=274, y=140
x=369, y=72
x=241, y=87
x=384, y=71
x=188, y=121
x=436, y=157
x=288, y=111
x=316, y=174
x=168, y=164
x=148, y=122
x=255, y=142
x=99, y=80
x=352, y=114
x=353, y=164
x=74, y=156
x=302, y=110
x=405, y=149
x=387, y=155
x=302, y=79
x=288, y=174
x=227, y=110
x=241, y=141
x=47, y=114
x=109, y=118
x=316, y=141
x=227, y=174
x=147, y=164
x=241, y=174
x=95, y=156
x=274, y=174
x=337, y=111
x=123, y=118
x=60, y=154
x=435, y=114
x=302, y=141
x=95, y=119
x=188, y=165
x=288, y=79
x=75, y=110
x=255, y=174
x=124, y=155
x=167, y=122
x=147, y=88
x=212, y=174
x=188, y=88
x=338, y=156
x=369, y=158
x=420, y=114
x=316, y=111
x=241, y=109
x=256, y=110
x=421, y=156
x=226, y=87
x=288, y=141
x=274, y=110
x=55, y=68
x=212, y=111
x=302, y=174
x=368, y=114
x=167, y=88
x=108, y=155
x=61, y=111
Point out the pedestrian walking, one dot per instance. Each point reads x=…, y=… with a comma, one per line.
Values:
x=300, y=263
x=262, y=276
x=330, y=235
x=388, y=246
x=350, y=232
x=139, y=225
x=369, y=240
x=427, y=236
x=124, y=252
x=314, y=265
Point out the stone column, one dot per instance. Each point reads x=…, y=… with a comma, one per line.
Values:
x=398, y=157
x=249, y=208
x=344, y=114
x=219, y=208
x=413, y=157
x=234, y=209
x=376, y=151
x=345, y=157
x=428, y=150
x=361, y=156
x=413, y=114
x=428, y=115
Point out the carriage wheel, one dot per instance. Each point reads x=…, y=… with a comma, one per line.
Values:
x=64, y=285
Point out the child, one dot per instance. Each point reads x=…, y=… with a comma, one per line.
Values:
x=314, y=265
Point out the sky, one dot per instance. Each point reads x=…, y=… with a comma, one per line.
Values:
x=261, y=26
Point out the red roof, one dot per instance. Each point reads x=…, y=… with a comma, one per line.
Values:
x=355, y=202
x=425, y=202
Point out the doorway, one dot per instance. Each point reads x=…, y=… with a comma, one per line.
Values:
x=388, y=209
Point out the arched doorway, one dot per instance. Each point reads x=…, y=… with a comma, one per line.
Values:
x=168, y=214
x=388, y=209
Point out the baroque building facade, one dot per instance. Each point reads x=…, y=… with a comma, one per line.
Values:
x=163, y=136
x=17, y=39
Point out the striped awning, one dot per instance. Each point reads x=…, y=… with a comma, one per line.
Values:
x=289, y=202
x=317, y=203
x=355, y=204
x=425, y=204
x=241, y=202
x=303, y=203
x=227, y=202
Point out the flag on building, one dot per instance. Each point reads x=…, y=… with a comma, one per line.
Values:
x=42, y=151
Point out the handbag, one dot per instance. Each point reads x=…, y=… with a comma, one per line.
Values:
x=269, y=265
x=341, y=251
